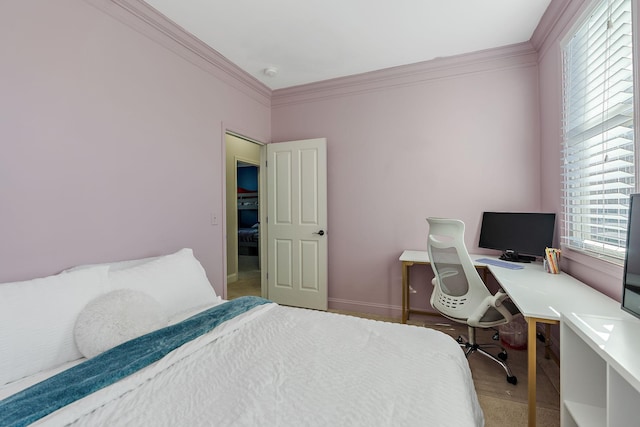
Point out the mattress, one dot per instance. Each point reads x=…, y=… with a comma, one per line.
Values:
x=284, y=366
x=248, y=235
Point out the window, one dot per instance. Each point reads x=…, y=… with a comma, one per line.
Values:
x=598, y=132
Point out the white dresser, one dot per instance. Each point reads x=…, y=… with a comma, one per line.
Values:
x=600, y=370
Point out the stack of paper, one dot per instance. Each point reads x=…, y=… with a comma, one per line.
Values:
x=552, y=260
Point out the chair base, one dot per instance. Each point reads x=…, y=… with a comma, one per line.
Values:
x=470, y=346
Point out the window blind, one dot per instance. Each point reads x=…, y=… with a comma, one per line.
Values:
x=598, y=132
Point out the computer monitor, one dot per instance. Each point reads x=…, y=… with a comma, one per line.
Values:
x=520, y=236
x=631, y=277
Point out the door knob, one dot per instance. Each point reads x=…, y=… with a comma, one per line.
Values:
x=321, y=232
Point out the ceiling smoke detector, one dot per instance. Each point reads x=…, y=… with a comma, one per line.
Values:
x=270, y=71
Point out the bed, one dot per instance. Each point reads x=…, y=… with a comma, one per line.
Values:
x=248, y=225
x=249, y=237
x=147, y=342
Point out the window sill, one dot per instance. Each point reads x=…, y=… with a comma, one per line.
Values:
x=602, y=264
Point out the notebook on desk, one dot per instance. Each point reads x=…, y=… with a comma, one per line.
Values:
x=499, y=263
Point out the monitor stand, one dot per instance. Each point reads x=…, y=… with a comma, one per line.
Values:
x=514, y=256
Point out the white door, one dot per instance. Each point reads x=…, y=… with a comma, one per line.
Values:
x=297, y=223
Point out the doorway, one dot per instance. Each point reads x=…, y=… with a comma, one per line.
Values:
x=243, y=217
x=292, y=245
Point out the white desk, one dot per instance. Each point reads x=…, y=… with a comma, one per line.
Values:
x=540, y=296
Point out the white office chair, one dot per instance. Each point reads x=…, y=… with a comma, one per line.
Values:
x=459, y=293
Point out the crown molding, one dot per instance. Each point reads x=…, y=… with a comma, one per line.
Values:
x=518, y=55
x=144, y=19
x=554, y=23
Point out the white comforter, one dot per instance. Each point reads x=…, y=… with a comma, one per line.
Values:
x=282, y=366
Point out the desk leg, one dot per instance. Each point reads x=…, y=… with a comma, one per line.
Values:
x=405, y=290
x=531, y=374
x=531, y=353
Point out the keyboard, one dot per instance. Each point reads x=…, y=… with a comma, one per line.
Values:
x=500, y=263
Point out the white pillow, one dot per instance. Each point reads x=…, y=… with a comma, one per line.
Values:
x=116, y=265
x=177, y=281
x=37, y=318
x=117, y=317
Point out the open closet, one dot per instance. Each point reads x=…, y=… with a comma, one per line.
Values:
x=248, y=210
x=243, y=217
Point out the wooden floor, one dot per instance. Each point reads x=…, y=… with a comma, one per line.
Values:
x=503, y=404
x=248, y=282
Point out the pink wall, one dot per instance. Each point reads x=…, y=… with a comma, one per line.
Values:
x=112, y=145
x=111, y=142
x=451, y=137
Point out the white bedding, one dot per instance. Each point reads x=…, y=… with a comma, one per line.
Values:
x=282, y=366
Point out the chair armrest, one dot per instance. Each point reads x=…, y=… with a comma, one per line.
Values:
x=499, y=297
x=490, y=301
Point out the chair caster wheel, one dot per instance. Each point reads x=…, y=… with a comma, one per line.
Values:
x=512, y=380
x=503, y=355
x=496, y=336
x=460, y=340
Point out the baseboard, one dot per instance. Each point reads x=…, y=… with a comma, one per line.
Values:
x=365, y=307
x=232, y=278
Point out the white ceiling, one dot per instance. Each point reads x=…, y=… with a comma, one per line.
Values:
x=314, y=40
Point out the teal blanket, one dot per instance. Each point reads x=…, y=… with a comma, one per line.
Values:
x=41, y=399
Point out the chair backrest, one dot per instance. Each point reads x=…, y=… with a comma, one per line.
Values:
x=458, y=288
